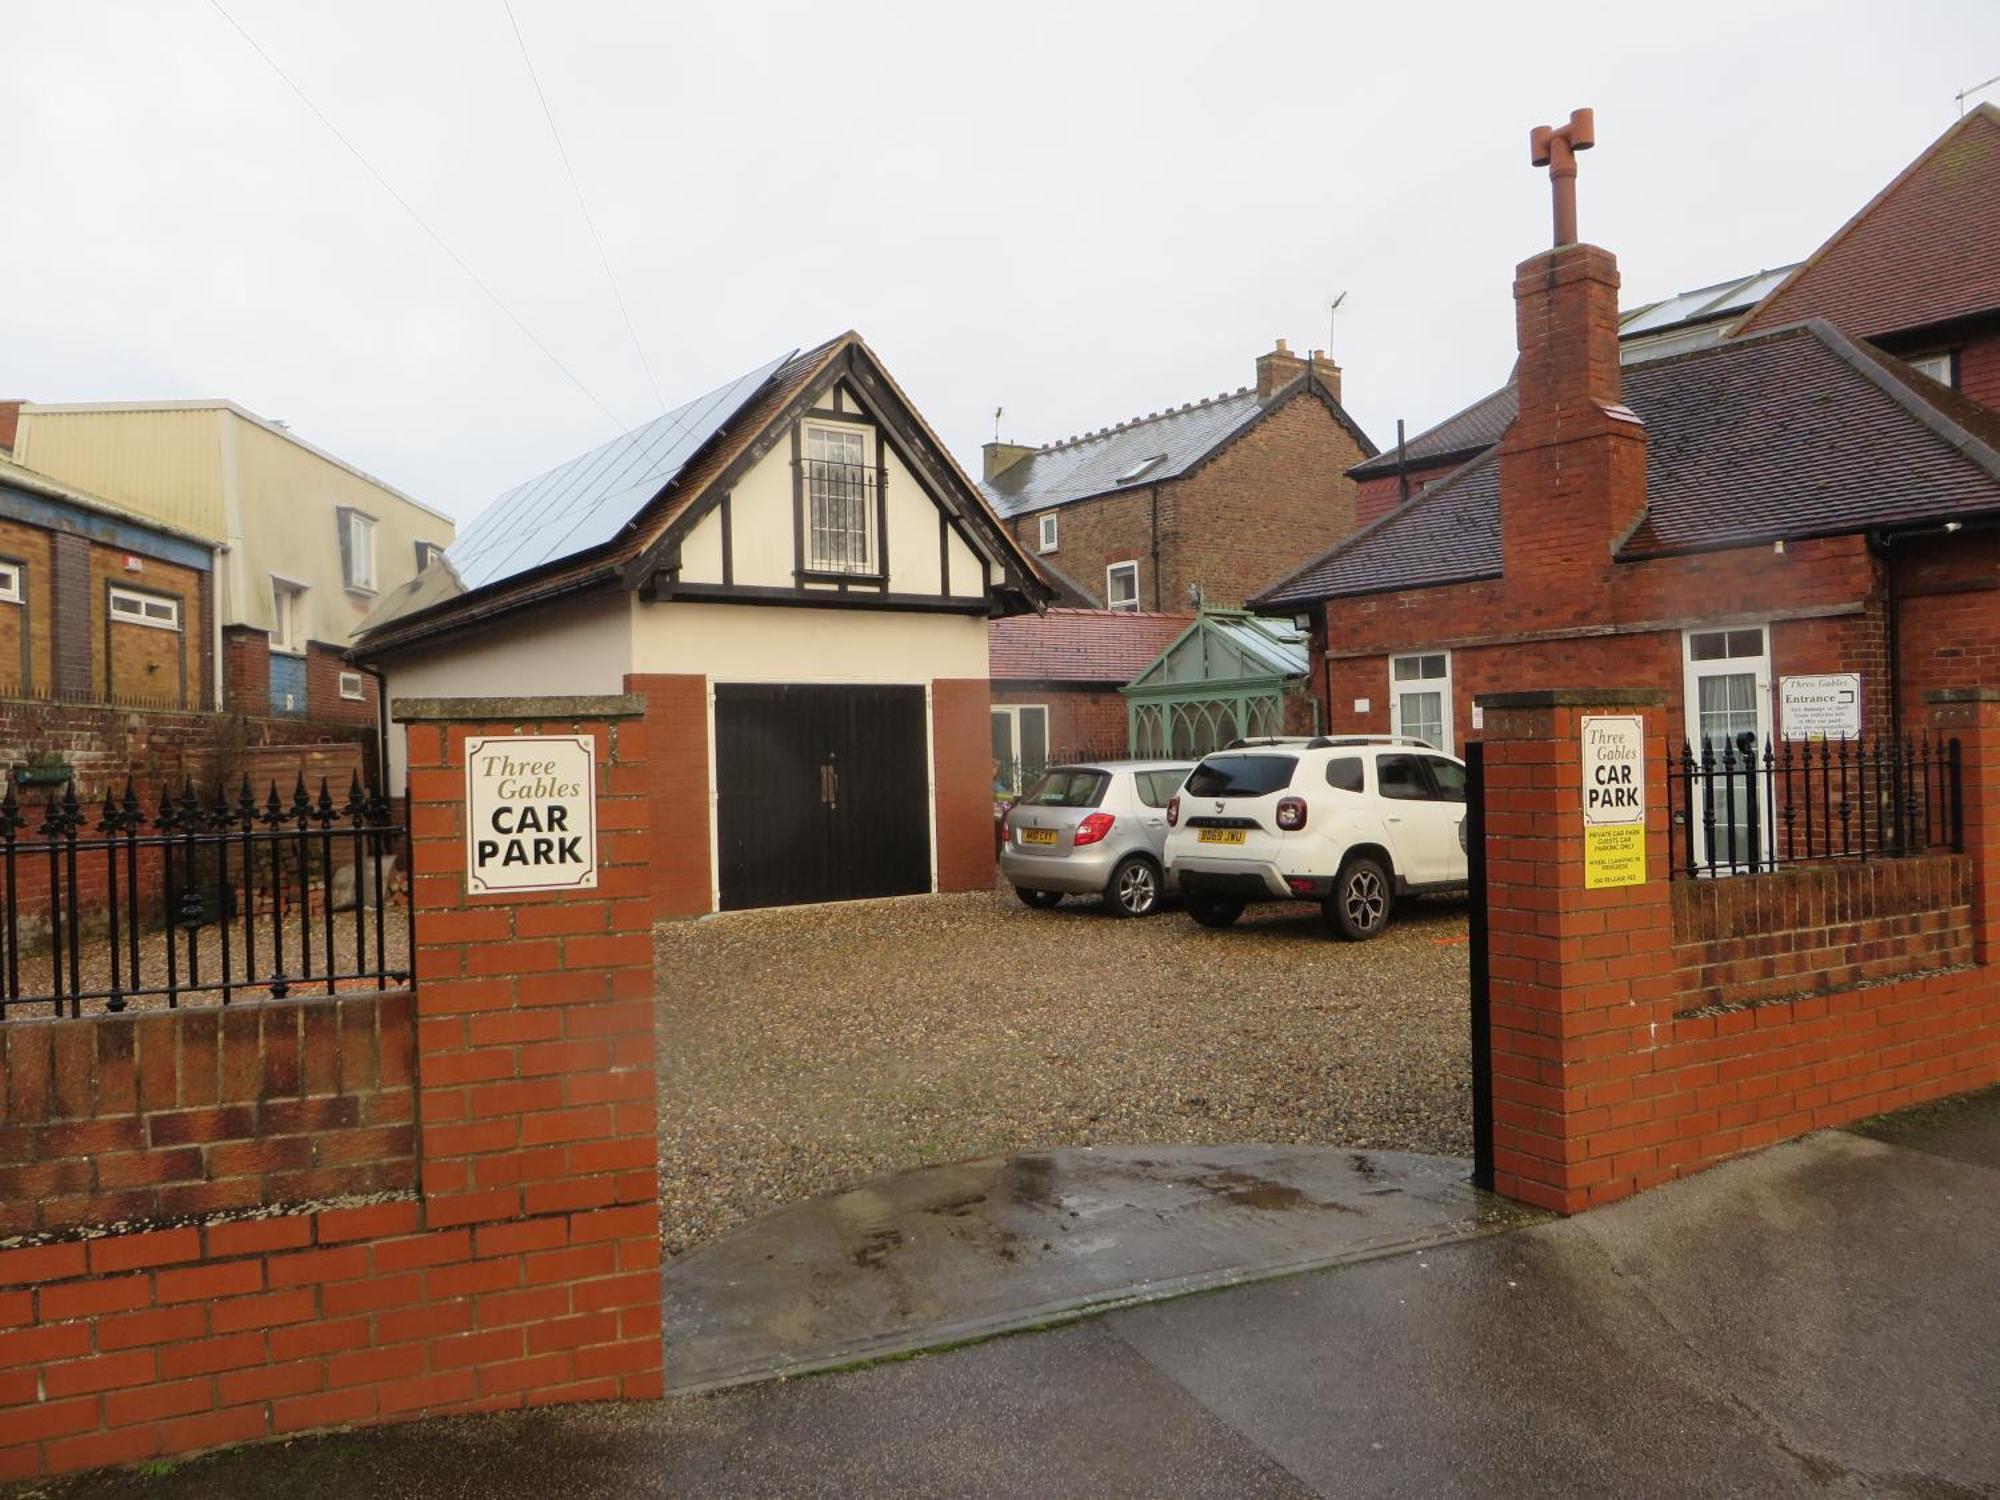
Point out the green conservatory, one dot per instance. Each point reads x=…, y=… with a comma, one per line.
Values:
x=1230, y=675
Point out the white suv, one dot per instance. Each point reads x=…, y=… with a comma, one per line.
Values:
x=1350, y=822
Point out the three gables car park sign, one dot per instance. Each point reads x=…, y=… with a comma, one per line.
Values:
x=531, y=813
x=1614, y=801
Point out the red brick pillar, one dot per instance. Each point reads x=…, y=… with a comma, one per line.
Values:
x=962, y=757
x=1581, y=980
x=1972, y=717
x=535, y=1083
x=678, y=787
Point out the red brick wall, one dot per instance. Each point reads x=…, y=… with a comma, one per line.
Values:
x=246, y=670
x=677, y=730
x=1082, y=720
x=324, y=704
x=1375, y=497
x=526, y=1268
x=1610, y=1075
x=1979, y=368
x=173, y=1114
x=962, y=755
x=1949, y=615
x=1816, y=928
x=1504, y=639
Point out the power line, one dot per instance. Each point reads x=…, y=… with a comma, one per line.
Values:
x=404, y=203
x=576, y=187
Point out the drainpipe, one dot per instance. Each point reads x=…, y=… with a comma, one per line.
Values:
x=215, y=582
x=1156, y=547
x=381, y=723
x=1402, y=466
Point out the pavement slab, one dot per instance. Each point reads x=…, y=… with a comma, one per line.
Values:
x=945, y=1254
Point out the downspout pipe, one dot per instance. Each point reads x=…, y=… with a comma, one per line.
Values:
x=1156, y=546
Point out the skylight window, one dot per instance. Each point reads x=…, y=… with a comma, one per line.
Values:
x=1142, y=467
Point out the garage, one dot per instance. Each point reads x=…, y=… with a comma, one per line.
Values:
x=822, y=793
x=791, y=580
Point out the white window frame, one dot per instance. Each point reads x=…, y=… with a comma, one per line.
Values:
x=352, y=688
x=1422, y=685
x=1692, y=672
x=1938, y=365
x=1048, y=536
x=428, y=553
x=291, y=641
x=1110, y=599
x=154, y=611
x=870, y=564
x=11, y=574
x=1012, y=713
x=358, y=555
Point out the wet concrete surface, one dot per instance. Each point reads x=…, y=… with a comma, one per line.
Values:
x=1818, y=1320
x=937, y=1256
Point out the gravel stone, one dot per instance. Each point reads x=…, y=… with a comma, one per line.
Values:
x=804, y=1050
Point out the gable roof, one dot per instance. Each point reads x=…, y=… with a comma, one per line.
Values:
x=1226, y=646
x=1923, y=251
x=1796, y=433
x=1160, y=445
x=1079, y=645
x=1458, y=437
x=625, y=502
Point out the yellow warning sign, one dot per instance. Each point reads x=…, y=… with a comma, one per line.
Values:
x=1614, y=854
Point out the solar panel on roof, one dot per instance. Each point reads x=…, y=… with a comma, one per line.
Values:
x=586, y=502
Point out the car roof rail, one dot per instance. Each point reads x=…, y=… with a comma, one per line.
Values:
x=1269, y=739
x=1382, y=739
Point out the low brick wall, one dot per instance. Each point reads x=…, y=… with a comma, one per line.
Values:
x=174, y=1114
x=1813, y=929
x=116, y=1349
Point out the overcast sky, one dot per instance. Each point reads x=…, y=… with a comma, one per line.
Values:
x=1078, y=212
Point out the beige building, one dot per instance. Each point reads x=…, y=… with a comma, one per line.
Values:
x=310, y=542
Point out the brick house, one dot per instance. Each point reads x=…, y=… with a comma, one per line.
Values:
x=98, y=605
x=1205, y=502
x=1787, y=502
x=1056, y=682
x=1916, y=273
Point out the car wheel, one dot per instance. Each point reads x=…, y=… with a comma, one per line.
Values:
x=1361, y=901
x=1040, y=900
x=1134, y=890
x=1210, y=912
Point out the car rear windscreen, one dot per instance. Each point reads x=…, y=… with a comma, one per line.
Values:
x=1066, y=787
x=1242, y=776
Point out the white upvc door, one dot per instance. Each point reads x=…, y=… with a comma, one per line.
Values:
x=1420, y=698
x=1727, y=677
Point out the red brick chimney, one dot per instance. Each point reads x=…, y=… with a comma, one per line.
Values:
x=1573, y=466
x=10, y=422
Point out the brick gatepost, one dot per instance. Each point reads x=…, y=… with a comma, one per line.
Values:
x=1972, y=717
x=1580, y=979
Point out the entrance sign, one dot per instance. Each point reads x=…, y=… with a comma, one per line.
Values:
x=530, y=813
x=1826, y=705
x=1614, y=801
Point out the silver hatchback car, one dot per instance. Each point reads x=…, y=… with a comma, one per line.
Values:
x=1096, y=828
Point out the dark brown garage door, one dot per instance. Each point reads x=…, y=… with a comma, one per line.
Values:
x=822, y=793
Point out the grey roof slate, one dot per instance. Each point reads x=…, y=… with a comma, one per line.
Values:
x=1092, y=464
x=1459, y=436
x=1799, y=432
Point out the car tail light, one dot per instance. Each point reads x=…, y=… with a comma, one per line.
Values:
x=1093, y=828
x=1174, y=811
x=1292, y=814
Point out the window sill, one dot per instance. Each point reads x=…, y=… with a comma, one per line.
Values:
x=830, y=575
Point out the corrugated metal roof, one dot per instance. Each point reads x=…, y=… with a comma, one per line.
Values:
x=1798, y=432
x=1139, y=452
x=584, y=503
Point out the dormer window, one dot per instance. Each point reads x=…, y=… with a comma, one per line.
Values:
x=357, y=550
x=1142, y=468
x=1046, y=539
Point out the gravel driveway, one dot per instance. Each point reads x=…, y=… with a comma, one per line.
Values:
x=804, y=1050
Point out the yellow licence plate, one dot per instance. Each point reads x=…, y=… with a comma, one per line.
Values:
x=1220, y=836
x=1039, y=836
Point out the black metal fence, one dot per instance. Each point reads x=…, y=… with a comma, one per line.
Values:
x=1739, y=808
x=214, y=900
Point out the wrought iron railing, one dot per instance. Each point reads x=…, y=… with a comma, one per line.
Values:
x=208, y=901
x=841, y=530
x=1738, y=808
